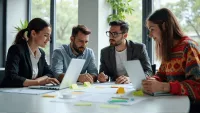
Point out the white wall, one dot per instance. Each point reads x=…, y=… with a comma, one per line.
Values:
x=93, y=14
x=16, y=11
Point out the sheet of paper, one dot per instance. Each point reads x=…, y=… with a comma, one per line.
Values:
x=105, y=98
x=101, y=90
x=26, y=91
x=109, y=106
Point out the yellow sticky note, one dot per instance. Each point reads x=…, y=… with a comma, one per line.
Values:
x=74, y=86
x=138, y=93
x=83, y=104
x=87, y=84
x=77, y=92
x=120, y=90
x=109, y=106
x=49, y=96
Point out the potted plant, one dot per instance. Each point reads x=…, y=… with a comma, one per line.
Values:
x=120, y=8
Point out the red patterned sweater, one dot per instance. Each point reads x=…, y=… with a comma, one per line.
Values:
x=183, y=70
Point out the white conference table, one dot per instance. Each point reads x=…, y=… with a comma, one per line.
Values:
x=26, y=103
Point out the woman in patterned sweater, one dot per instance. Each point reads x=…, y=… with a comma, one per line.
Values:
x=179, y=73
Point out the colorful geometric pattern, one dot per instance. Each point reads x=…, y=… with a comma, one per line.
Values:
x=183, y=70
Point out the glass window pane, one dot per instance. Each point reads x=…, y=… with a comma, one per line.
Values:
x=41, y=9
x=66, y=18
x=187, y=13
x=135, y=21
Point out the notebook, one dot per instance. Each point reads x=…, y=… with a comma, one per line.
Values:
x=71, y=76
x=136, y=74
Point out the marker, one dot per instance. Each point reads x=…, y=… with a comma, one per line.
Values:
x=118, y=101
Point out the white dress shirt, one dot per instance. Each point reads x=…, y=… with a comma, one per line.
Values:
x=34, y=60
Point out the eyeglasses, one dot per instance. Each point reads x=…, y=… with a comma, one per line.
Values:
x=113, y=34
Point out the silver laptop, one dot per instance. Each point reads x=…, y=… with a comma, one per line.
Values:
x=71, y=76
x=136, y=74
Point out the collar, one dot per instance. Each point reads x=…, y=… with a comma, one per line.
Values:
x=72, y=54
x=38, y=53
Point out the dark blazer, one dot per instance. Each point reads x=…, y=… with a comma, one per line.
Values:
x=134, y=51
x=19, y=67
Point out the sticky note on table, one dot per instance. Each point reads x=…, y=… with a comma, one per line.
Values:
x=74, y=86
x=83, y=104
x=87, y=84
x=48, y=96
x=138, y=93
x=120, y=90
x=114, y=86
x=109, y=106
x=77, y=92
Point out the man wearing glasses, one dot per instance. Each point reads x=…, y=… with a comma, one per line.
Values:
x=120, y=50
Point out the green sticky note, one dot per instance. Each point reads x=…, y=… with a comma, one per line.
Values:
x=138, y=93
x=83, y=104
x=109, y=106
x=87, y=84
x=74, y=86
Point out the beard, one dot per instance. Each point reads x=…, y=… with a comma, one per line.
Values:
x=115, y=43
x=79, y=50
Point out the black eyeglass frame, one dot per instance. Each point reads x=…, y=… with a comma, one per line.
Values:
x=114, y=34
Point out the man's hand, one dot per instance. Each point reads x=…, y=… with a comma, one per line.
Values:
x=102, y=77
x=60, y=77
x=122, y=80
x=85, y=78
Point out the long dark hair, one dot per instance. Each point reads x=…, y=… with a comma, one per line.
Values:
x=170, y=30
x=36, y=24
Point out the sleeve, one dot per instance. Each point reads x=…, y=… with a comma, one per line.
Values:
x=57, y=62
x=92, y=69
x=12, y=67
x=190, y=86
x=160, y=76
x=145, y=61
x=103, y=67
x=46, y=71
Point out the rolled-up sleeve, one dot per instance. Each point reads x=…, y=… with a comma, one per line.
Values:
x=57, y=62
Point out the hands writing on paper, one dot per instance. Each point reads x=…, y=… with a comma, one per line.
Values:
x=151, y=85
x=85, y=78
x=122, y=80
x=102, y=77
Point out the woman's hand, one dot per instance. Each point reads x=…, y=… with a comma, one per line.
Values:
x=152, y=86
x=46, y=80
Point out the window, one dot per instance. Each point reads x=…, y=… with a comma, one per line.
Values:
x=135, y=22
x=41, y=9
x=187, y=13
x=66, y=18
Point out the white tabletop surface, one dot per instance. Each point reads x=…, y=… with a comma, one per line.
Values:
x=21, y=103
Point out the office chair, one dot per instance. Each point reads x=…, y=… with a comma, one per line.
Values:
x=153, y=68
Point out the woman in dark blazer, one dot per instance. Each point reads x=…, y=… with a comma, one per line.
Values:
x=26, y=64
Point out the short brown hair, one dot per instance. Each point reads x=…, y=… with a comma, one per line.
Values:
x=83, y=29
